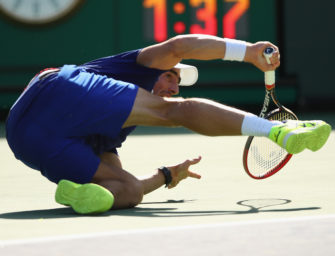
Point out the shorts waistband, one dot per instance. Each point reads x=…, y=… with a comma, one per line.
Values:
x=47, y=72
x=43, y=74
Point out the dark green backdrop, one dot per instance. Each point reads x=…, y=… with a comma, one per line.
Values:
x=106, y=27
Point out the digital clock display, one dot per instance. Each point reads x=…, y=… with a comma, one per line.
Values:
x=225, y=18
x=107, y=27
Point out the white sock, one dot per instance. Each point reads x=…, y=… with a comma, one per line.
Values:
x=256, y=126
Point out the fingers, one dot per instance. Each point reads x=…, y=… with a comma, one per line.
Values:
x=181, y=171
x=192, y=161
x=275, y=58
x=254, y=55
x=190, y=174
x=194, y=175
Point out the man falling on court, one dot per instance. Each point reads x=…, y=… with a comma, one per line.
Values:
x=69, y=121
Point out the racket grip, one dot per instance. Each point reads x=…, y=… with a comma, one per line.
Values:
x=270, y=77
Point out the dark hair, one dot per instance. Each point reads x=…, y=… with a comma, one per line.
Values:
x=174, y=72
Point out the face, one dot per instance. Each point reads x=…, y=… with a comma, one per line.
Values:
x=167, y=84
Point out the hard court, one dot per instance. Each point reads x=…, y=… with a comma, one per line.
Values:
x=224, y=213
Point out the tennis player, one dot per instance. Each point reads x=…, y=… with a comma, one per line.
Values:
x=69, y=121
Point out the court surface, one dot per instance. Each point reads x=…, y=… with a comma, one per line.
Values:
x=224, y=213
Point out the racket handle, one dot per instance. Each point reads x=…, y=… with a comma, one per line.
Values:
x=268, y=52
x=270, y=78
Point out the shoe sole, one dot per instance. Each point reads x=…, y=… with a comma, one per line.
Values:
x=314, y=139
x=84, y=199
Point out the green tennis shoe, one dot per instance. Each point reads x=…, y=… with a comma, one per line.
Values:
x=295, y=136
x=84, y=199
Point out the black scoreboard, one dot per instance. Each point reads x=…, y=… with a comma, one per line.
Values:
x=82, y=30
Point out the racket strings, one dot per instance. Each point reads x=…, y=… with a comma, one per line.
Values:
x=264, y=155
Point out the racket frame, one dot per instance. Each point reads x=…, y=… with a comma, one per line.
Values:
x=282, y=163
x=269, y=94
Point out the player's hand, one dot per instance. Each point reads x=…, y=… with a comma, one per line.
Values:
x=254, y=55
x=182, y=171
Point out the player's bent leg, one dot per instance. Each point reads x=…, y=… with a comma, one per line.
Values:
x=126, y=188
x=295, y=136
x=111, y=187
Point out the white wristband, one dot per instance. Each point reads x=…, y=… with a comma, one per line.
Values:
x=235, y=49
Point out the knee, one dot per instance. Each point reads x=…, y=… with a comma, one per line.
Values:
x=134, y=192
x=173, y=110
x=127, y=189
x=127, y=194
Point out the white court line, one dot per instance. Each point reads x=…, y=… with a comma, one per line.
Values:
x=160, y=229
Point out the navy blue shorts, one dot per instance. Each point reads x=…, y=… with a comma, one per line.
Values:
x=47, y=126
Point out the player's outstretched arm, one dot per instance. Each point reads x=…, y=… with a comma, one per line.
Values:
x=167, y=54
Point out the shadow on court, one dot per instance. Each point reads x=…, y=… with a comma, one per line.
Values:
x=251, y=206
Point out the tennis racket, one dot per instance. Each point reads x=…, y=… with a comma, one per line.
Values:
x=261, y=157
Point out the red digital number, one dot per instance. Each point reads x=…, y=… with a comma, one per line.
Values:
x=207, y=15
x=160, y=18
x=232, y=16
x=206, y=12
